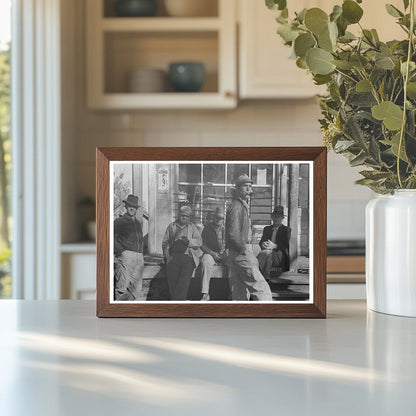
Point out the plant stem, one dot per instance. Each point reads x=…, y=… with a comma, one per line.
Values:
x=406, y=79
x=346, y=75
x=373, y=88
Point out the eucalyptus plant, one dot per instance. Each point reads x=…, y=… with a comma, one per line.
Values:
x=369, y=112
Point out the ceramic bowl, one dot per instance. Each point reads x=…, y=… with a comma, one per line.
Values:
x=135, y=8
x=186, y=76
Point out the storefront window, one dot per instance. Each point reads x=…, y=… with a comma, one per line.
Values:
x=208, y=186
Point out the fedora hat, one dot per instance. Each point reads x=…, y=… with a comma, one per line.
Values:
x=132, y=200
x=279, y=210
x=243, y=179
x=185, y=210
x=219, y=212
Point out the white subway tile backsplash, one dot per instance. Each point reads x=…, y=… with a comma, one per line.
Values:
x=99, y=120
x=346, y=219
x=161, y=119
x=166, y=138
x=202, y=120
x=230, y=138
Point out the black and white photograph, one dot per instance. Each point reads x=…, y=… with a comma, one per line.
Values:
x=185, y=231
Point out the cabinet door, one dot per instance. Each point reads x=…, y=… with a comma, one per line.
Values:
x=265, y=68
x=78, y=276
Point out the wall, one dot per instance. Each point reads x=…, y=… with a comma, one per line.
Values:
x=253, y=123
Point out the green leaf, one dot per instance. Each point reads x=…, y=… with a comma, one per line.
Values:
x=319, y=61
x=394, y=143
x=333, y=32
x=351, y=11
x=325, y=42
x=344, y=65
x=358, y=61
x=391, y=114
x=336, y=12
x=384, y=62
x=353, y=130
x=374, y=174
x=412, y=67
x=301, y=15
x=316, y=20
x=343, y=145
x=363, y=86
x=301, y=63
x=287, y=33
x=375, y=35
x=342, y=25
x=276, y=4
x=365, y=182
x=303, y=43
x=382, y=89
x=405, y=21
x=393, y=11
x=347, y=37
x=321, y=79
x=406, y=4
x=411, y=90
x=368, y=36
x=374, y=150
x=281, y=19
x=362, y=99
x=292, y=52
x=358, y=160
x=377, y=75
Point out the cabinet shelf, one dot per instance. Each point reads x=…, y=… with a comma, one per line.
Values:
x=118, y=46
x=196, y=100
x=160, y=24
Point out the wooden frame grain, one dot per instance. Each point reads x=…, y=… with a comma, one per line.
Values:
x=317, y=309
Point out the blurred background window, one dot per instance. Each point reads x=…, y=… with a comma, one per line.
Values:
x=5, y=148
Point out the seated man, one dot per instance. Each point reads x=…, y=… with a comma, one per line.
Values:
x=274, y=245
x=181, y=251
x=213, y=247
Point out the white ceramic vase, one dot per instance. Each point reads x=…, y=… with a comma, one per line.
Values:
x=391, y=253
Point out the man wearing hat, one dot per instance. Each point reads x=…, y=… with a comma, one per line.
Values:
x=274, y=245
x=247, y=282
x=181, y=251
x=128, y=252
x=213, y=247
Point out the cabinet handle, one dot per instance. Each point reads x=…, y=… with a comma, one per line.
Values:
x=229, y=94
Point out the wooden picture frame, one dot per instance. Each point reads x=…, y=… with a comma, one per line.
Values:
x=293, y=178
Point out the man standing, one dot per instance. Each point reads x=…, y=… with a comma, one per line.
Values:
x=246, y=280
x=181, y=251
x=274, y=245
x=213, y=247
x=128, y=252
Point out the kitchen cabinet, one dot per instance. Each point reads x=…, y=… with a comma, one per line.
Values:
x=265, y=70
x=265, y=67
x=78, y=264
x=118, y=45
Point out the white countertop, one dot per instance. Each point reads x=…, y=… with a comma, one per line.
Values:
x=57, y=358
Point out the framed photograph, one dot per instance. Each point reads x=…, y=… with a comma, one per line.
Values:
x=211, y=232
